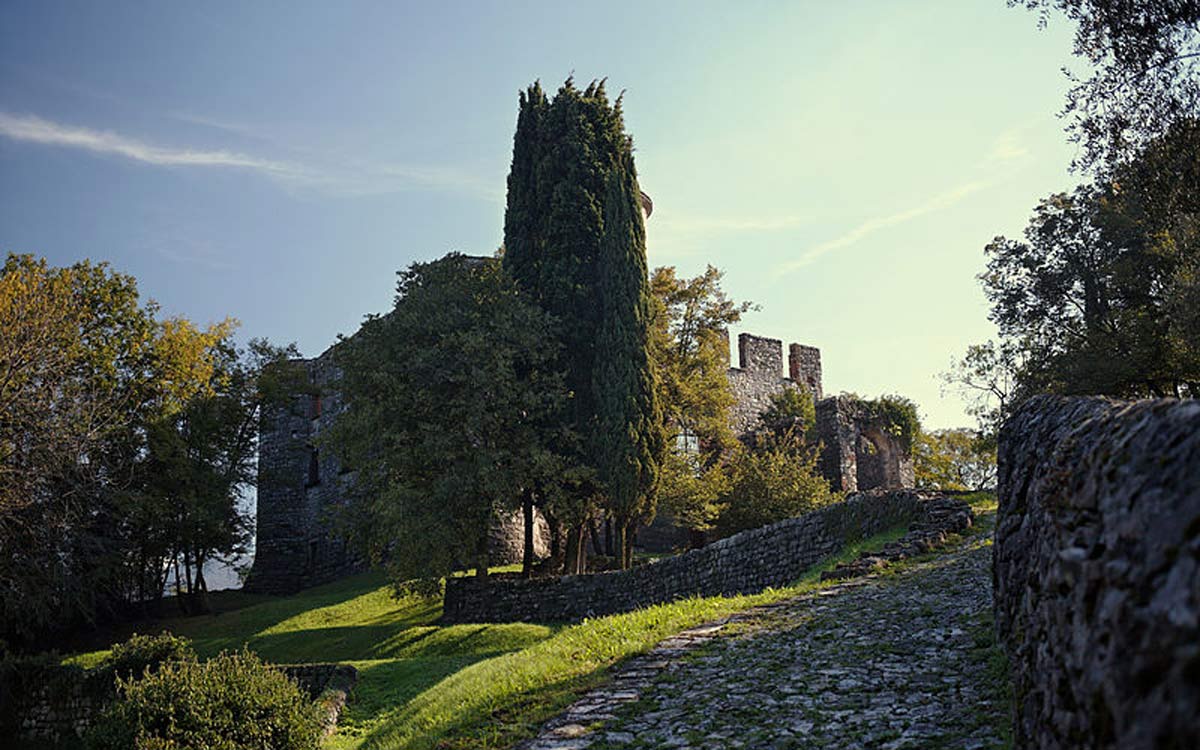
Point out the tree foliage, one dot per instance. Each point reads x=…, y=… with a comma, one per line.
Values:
x=959, y=459
x=233, y=701
x=628, y=439
x=1097, y=296
x=774, y=478
x=691, y=357
x=1145, y=72
x=89, y=380
x=574, y=243
x=454, y=406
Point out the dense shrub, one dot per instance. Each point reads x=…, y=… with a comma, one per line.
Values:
x=230, y=702
x=776, y=479
x=142, y=653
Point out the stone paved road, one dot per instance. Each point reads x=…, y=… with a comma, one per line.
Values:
x=894, y=661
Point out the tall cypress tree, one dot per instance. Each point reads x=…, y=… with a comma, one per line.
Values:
x=629, y=441
x=565, y=151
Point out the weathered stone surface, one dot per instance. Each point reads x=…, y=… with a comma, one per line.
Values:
x=748, y=562
x=1097, y=585
x=940, y=517
x=884, y=662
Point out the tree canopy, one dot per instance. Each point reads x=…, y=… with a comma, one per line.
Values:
x=454, y=406
x=575, y=244
x=1145, y=72
x=97, y=394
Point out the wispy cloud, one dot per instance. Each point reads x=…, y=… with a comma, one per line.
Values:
x=1006, y=149
x=313, y=171
x=34, y=129
x=871, y=226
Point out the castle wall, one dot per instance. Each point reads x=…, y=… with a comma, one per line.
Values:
x=1097, y=572
x=298, y=487
x=748, y=562
x=758, y=377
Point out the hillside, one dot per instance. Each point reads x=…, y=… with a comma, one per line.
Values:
x=423, y=685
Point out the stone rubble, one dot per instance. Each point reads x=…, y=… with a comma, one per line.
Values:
x=889, y=662
x=940, y=517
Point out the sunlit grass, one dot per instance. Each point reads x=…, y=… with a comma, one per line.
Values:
x=458, y=686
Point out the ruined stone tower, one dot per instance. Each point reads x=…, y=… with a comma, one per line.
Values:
x=858, y=454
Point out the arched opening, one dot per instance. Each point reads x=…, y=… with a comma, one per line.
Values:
x=878, y=460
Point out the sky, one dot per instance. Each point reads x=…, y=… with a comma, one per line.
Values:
x=843, y=163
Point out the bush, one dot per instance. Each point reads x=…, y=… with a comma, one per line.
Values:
x=776, y=479
x=142, y=654
x=230, y=702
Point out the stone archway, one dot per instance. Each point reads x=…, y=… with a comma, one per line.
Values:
x=878, y=460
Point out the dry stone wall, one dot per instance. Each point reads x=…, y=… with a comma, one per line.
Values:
x=1097, y=572
x=748, y=562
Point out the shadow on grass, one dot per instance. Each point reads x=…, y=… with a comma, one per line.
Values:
x=392, y=641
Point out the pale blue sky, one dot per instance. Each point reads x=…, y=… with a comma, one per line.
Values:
x=844, y=163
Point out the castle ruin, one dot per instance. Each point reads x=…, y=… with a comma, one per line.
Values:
x=299, y=485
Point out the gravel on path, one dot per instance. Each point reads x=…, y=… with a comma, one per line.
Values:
x=903, y=659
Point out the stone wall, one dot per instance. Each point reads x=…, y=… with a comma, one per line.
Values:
x=1097, y=572
x=748, y=562
x=758, y=377
x=859, y=453
x=66, y=699
x=298, y=486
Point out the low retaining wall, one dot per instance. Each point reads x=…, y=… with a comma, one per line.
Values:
x=1097, y=572
x=61, y=701
x=744, y=563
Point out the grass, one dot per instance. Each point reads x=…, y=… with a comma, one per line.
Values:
x=448, y=687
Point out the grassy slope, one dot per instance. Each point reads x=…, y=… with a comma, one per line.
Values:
x=459, y=686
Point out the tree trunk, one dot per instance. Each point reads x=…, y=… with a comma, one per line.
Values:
x=527, y=553
x=622, y=529
x=608, y=537
x=481, y=557
x=581, y=562
x=594, y=532
x=571, y=557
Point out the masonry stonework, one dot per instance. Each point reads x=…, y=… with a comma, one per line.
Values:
x=1097, y=572
x=748, y=562
x=858, y=452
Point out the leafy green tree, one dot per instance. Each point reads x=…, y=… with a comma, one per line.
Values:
x=628, y=439
x=694, y=492
x=200, y=460
x=958, y=459
x=560, y=251
x=454, y=407
x=1145, y=78
x=85, y=368
x=1095, y=296
x=774, y=479
x=691, y=357
x=791, y=410
x=691, y=351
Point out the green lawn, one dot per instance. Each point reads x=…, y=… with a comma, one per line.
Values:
x=459, y=686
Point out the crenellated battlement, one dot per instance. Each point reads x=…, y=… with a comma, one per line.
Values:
x=760, y=375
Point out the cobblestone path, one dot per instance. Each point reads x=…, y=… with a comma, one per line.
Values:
x=892, y=661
